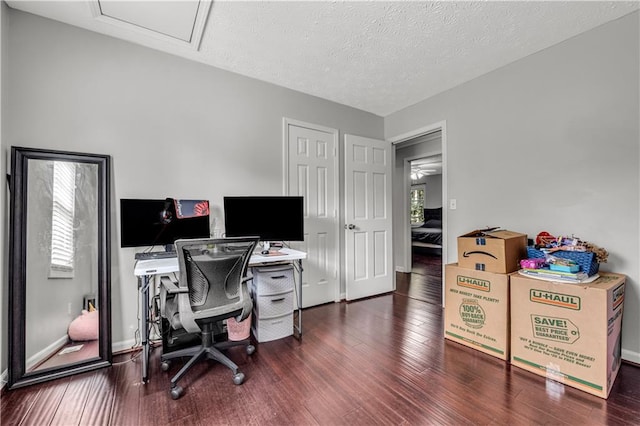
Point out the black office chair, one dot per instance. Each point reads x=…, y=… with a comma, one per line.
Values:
x=212, y=287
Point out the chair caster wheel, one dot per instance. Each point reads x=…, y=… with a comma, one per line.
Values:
x=176, y=392
x=165, y=365
x=238, y=378
x=250, y=349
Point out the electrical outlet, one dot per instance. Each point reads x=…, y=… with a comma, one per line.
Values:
x=453, y=204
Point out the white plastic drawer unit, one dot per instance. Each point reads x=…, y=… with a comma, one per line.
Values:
x=273, y=305
x=272, y=289
x=269, y=280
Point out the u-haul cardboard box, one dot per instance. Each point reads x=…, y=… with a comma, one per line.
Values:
x=476, y=311
x=497, y=251
x=568, y=332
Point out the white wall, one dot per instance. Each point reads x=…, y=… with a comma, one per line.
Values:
x=173, y=127
x=550, y=143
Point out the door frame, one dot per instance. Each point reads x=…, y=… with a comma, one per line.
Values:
x=286, y=122
x=397, y=141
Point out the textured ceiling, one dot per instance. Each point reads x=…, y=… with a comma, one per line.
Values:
x=376, y=56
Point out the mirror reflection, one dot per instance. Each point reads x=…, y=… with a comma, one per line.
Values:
x=62, y=277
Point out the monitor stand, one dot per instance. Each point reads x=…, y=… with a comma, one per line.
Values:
x=271, y=249
x=265, y=247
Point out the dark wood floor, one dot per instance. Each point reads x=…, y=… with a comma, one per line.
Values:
x=425, y=280
x=378, y=361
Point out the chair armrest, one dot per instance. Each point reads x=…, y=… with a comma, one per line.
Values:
x=246, y=295
x=172, y=287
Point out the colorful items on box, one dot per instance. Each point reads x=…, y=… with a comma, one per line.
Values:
x=574, y=261
x=550, y=244
x=553, y=263
x=532, y=263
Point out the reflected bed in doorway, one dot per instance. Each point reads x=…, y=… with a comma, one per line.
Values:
x=429, y=233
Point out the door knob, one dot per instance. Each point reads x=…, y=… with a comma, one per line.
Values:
x=350, y=226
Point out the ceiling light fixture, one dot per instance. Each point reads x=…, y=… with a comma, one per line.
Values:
x=418, y=173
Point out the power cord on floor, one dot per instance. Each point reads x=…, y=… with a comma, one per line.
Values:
x=154, y=324
x=134, y=356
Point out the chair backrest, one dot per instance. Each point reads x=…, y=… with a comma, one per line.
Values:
x=212, y=270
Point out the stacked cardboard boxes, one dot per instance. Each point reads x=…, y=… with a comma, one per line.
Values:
x=570, y=333
x=477, y=290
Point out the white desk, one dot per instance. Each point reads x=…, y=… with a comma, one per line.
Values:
x=145, y=270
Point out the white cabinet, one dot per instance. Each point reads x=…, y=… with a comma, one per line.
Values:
x=272, y=291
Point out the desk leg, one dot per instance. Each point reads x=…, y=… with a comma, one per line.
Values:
x=299, y=325
x=143, y=284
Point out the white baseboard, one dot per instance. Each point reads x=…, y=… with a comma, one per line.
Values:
x=46, y=352
x=124, y=345
x=631, y=356
x=400, y=269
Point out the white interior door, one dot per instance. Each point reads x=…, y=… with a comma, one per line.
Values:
x=312, y=169
x=368, y=224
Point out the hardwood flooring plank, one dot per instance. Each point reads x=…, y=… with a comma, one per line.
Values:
x=48, y=401
x=425, y=280
x=99, y=405
x=290, y=411
x=328, y=406
x=75, y=398
x=126, y=405
x=155, y=398
x=16, y=404
x=362, y=416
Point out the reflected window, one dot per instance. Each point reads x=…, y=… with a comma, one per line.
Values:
x=416, y=206
x=64, y=193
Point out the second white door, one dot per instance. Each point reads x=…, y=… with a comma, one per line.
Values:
x=312, y=173
x=368, y=222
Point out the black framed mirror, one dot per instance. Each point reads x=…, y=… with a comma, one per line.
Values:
x=59, y=265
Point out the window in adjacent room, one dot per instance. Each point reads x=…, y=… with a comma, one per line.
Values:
x=416, y=200
x=62, y=218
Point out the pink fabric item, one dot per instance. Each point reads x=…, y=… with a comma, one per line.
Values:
x=84, y=327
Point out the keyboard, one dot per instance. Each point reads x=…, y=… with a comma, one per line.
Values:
x=151, y=255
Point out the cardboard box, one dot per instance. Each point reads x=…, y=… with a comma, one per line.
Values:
x=476, y=311
x=569, y=332
x=497, y=251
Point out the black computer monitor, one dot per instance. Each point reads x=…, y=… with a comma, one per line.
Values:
x=272, y=218
x=150, y=222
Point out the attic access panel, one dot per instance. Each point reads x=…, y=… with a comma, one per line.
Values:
x=177, y=21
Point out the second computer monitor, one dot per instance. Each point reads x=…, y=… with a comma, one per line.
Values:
x=272, y=218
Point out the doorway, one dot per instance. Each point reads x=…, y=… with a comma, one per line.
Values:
x=425, y=210
x=420, y=214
